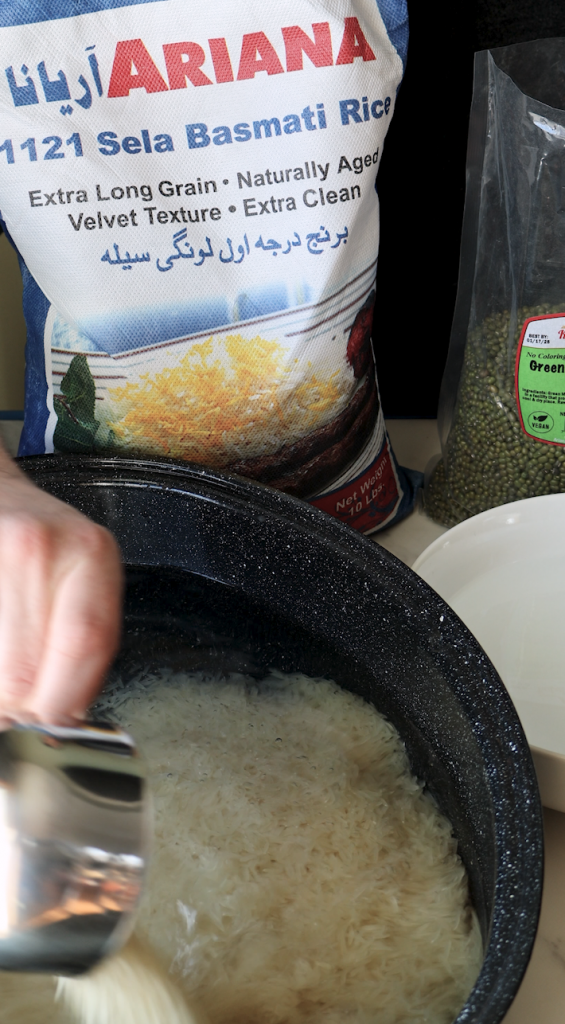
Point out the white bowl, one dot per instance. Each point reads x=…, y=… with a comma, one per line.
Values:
x=503, y=572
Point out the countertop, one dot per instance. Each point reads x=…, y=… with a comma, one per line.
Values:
x=541, y=999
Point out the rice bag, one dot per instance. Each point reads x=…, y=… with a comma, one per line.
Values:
x=191, y=191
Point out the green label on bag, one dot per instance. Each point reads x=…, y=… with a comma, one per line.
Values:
x=540, y=378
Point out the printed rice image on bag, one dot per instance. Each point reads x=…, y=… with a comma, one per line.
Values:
x=502, y=404
x=191, y=190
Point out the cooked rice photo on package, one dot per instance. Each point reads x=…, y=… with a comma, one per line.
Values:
x=192, y=194
x=300, y=874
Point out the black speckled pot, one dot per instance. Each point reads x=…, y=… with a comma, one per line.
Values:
x=228, y=573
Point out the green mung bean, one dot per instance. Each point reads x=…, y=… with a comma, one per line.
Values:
x=488, y=459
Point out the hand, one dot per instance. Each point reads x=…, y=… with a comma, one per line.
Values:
x=60, y=604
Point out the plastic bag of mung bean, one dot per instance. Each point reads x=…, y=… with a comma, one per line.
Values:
x=502, y=406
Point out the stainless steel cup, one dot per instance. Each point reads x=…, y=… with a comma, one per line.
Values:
x=74, y=838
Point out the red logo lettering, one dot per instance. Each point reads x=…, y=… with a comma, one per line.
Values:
x=221, y=60
x=134, y=68
x=179, y=70
x=353, y=44
x=258, y=54
x=132, y=54
x=319, y=51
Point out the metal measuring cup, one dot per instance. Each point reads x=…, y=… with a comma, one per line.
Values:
x=74, y=837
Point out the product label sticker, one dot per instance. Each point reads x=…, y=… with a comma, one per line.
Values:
x=540, y=378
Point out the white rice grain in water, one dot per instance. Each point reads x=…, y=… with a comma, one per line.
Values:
x=300, y=873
